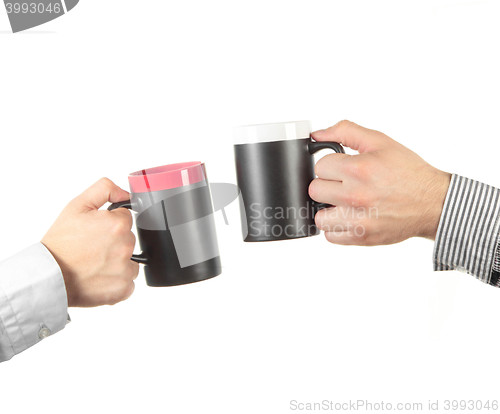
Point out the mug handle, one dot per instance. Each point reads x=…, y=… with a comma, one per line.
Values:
x=139, y=258
x=314, y=147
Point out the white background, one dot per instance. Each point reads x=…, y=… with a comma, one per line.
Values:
x=119, y=85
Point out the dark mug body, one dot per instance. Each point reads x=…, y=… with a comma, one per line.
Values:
x=176, y=232
x=274, y=179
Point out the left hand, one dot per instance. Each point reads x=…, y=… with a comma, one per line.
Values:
x=93, y=247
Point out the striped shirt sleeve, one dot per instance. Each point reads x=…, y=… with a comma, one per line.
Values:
x=467, y=238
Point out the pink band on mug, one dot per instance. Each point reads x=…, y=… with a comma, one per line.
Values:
x=167, y=177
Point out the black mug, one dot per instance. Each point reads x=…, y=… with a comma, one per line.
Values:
x=274, y=167
x=175, y=224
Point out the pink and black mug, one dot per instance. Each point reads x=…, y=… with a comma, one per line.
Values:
x=175, y=224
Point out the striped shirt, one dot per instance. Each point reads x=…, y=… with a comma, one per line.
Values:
x=467, y=238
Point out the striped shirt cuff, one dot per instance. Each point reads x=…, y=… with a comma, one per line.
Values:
x=467, y=235
x=495, y=273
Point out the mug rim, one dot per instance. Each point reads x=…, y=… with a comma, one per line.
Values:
x=167, y=177
x=167, y=168
x=273, y=123
x=271, y=132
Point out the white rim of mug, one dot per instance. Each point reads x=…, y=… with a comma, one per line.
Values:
x=270, y=132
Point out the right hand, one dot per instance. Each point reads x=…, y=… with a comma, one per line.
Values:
x=383, y=195
x=93, y=247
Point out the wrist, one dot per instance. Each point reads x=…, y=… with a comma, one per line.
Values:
x=433, y=198
x=65, y=271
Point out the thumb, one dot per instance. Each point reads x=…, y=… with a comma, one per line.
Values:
x=101, y=192
x=351, y=135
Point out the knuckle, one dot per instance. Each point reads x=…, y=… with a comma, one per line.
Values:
x=132, y=241
x=105, y=181
x=322, y=223
x=327, y=219
x=121, y=292
x=330, y=237
x=117, y=228
x=126, y=251
x=120, y=226
x=362, y=239
x=113, y=300
x=327, y=227
x=318, y=168
x=344, y=123
x=127, y=214
x=323, y=164
x=363, y=233
x=359, y=169
x=123, y=213
x=127, y=290
x=319, y=218
x=314, y=189
x=134, y=270
x=355, y=199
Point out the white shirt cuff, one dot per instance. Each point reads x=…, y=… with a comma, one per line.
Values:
x=33, y=301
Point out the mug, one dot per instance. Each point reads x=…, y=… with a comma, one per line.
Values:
x=274, y=167
x=175, y=224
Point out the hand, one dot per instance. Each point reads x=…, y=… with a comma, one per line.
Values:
x=383, y=195
x=93, y=247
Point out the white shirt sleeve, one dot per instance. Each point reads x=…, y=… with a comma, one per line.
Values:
x=33, y=301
